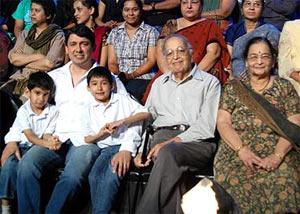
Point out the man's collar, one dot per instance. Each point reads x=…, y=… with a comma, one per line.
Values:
x=196, y=73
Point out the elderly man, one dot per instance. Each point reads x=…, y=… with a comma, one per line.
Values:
x=183, y=104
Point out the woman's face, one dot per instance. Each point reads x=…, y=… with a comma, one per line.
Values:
x=131, y=13
x=82, y=13
x=252, y=9
x=38, y=15
x=191, y=9
x=259, y=60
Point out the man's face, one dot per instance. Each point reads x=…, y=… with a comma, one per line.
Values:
x=79, y=49
x=178, y=56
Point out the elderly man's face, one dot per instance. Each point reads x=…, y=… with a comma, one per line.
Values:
x=178, y=56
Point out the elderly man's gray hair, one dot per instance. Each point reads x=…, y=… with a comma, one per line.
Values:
x=184, y=40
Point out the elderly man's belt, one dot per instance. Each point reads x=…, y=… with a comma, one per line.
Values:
x=180, y=127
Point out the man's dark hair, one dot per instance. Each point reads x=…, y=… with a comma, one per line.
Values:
x=40, y=80
x=49, y=8
x=82, y=31
x=100, y=71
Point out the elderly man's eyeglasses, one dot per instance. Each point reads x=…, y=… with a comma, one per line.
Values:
x=180, y=51
x=263, y=57
x=248, y=4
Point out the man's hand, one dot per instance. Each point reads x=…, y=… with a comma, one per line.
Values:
x=138, y=161
x=10, y=149
x=156, y=149
x=121, y=162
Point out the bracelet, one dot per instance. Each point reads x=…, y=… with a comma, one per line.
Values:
x=279, y=156
x=239, y=148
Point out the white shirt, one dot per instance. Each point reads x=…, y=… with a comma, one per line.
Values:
x=71, y=101
x=119, y=107
x=27, y=119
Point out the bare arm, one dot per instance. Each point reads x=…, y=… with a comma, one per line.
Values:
x=213, y=52
x=99, y=19
x=103, y=133
x=225, y=9
x=164, y=5
x=113, y=65
x=52, y=144
x=43, y=64
x=229, y=48
x=19, y=25
x=22, y=59
x=103, y=56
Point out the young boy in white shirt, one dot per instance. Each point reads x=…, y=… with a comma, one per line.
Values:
x=34, y=125
x=113, y=122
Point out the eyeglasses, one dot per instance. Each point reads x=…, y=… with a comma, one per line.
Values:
x=248, y=4
x=180, y=51
x=185, y=2
x=263, y=57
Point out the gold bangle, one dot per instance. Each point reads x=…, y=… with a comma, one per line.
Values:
x=280, y=156
x=239, y=148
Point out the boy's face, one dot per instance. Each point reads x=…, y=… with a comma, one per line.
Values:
x=38, y=98
x=100, y=89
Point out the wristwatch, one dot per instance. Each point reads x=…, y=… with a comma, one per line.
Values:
x=153, y=5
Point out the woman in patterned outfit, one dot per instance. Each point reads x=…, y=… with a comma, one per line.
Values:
x=257, y=166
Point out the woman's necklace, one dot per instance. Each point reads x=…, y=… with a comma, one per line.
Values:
x=264, y=87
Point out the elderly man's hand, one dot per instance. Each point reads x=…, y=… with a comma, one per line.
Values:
x=156, y=149
x=121, y=162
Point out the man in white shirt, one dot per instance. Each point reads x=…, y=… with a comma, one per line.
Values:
x=183, y=104
x=71, y=99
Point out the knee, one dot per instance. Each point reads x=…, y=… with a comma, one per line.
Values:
x=27, y=168
x=167, y=153
x=104, y=177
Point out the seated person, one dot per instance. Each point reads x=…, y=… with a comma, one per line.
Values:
x=39, y=49
x=33, y=126
x=85, y=12
x=111, y=123
x=6, y=45
x=251, y=26
x=256, y=162
x=289, y=53
x=183, y=104
x=131, y=49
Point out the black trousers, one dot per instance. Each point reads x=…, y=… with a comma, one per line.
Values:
x=163, y=191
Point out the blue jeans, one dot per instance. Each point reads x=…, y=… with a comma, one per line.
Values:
x=8, y=175
x=104, y=184
x=40, y=161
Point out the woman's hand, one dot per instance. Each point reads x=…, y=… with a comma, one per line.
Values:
x=250, y=160
x=270, y=163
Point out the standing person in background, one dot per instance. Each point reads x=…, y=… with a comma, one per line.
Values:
x=277, y=12
x=289, y=53
x=85, y=12
x=22, y=17
x=131, y=49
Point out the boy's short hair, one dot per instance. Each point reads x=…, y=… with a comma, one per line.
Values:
x=100, y=71
x=41, y=80
x=49, y=8
x=82, y=31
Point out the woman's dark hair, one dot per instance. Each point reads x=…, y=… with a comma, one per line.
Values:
x=82, y=31
x=49, y=8
x=89, y=4
x=100, y=71
x=261, y=1
x=139, y=4
x=40, y=80
x=257, y=40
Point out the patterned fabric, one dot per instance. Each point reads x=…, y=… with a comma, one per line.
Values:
x=132, y=53
x=266, y=192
